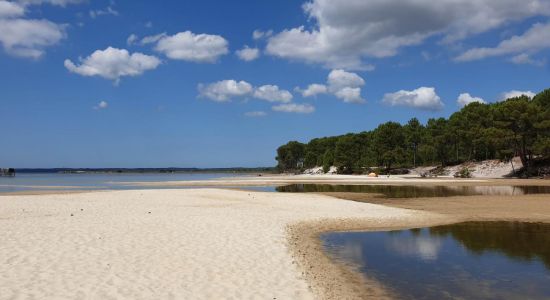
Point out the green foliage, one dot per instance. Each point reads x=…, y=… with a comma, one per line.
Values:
x=542, y=146
x=543, y=99
x=413, y=137
x=470, y=140
x=348, y=154
x=390, y=144
x=518, y=126
x=310, y=160
x=290, y=156
x=439, y=136
x=516, y=118
x=328, y=160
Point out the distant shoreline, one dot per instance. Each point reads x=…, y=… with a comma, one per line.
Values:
x=142, y=170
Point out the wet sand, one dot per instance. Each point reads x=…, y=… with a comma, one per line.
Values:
x=527, y=208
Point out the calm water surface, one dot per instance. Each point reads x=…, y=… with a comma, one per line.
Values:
x=116, y=181
x=411, y=191
x=474, y=260
x=90, y=181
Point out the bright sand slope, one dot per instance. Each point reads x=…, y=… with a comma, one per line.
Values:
x=194, y=244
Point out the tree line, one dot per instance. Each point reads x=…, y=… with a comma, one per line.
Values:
x=518, y=126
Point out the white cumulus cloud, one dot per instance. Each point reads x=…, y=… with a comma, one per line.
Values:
x=422, y=98
x=342, y=84
x=516, y=93
x=313, y=90
x=272, y=93
x=192, y=47
x=350, y=95
x=535, y=39
x=248, y=54
x=223, y=91
x=294, y=108
x=28, y=38
x=24, y=37
x=11, y=10
x=346, y=86
x=339, y=79
x=113, y=63
x=465, y=99
x=346, y=32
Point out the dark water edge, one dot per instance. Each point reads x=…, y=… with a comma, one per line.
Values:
x=472, y=260
x=415, y=191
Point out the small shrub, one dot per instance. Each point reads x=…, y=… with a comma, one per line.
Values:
x=464, y=173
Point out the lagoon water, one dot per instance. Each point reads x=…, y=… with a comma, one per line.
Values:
x=416, y=191
x=92, y=181
x=473, y=260
x=117, y=181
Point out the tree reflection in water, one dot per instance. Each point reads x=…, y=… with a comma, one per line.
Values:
x=517, y=240
x=415, y=191
x=472, y=260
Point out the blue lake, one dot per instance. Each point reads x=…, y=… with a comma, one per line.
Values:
x=473, y=260
x=90, y=181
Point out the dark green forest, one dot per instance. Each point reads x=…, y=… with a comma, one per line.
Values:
x=515, y=127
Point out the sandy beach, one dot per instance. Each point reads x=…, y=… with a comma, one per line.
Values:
x=311, y=149
x=209, y=243
x=169, y=244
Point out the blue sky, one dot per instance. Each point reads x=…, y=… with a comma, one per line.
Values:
x=150, y=84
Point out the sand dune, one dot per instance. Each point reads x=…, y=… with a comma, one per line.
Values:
x=163, y=244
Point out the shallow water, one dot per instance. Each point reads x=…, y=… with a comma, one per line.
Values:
x=473, y=260
x=91, y=181
x=411, y=191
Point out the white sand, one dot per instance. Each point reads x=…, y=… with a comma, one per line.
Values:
x=195, y=244
x=483, y=169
